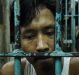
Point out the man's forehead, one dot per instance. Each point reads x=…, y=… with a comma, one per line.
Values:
x=33, y=28
x=44, y=18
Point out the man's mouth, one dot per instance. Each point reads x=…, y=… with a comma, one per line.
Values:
x=41, y=58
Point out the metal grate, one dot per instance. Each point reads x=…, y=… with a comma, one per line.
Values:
x=58, y=53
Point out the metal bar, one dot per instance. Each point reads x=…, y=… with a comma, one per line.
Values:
x=17, y=66
x=29, y=54
x=57, y=26
x=16, y=23
x=7, y=24
x=58, y=36
x=17, y=36
x=71, y=15
x=5, y=27
x=73, y=24
x=78, y=12
x=66, y=19
x=58, y=66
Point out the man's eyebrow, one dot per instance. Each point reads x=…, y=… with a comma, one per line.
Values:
x=49, y=26
x=28, y=30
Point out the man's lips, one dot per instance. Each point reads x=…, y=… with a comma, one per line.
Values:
x=42, y=58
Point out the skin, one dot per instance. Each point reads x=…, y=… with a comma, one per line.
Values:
x=38, y=36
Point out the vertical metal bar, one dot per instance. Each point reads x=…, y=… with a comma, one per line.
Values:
x=17, y=35
x=58, y=67
x=17, y=22
x=78, y=12
x=58, y=37
x=17, y=66
x=66, y=19
x=73, y=24
x=57, y=26
x=6, y=24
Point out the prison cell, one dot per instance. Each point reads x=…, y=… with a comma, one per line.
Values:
x=58, y=53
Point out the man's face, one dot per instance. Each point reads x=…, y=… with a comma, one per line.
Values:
x=38, y=36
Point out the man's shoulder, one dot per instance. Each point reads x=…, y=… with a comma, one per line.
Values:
x=74, y=61
x=8, y=68
x=74, y=66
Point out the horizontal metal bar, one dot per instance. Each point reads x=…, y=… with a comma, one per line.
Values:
x=21, y=53
x=67, y=41
x=71, y=15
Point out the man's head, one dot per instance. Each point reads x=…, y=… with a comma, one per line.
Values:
x=38, y=35
x=37, y=29
x=37, y=20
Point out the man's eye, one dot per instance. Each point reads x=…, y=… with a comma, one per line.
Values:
x=49, y=32
x=29, y=36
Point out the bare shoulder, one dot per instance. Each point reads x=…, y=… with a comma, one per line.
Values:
x=74, y=66
x=8, y=68
x=74, y=61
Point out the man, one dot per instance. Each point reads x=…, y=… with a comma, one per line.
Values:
x=37, y=35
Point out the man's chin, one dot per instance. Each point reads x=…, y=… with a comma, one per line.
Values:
x=44, y=64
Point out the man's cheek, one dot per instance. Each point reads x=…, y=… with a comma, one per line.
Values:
x=24, y=45
x=51, y=44
x=28, y=46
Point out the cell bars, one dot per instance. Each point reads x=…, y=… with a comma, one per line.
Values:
x=58, y=53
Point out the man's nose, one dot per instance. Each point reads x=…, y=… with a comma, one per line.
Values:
x=42, y=46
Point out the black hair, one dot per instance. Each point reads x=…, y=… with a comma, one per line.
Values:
x=28, y=9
